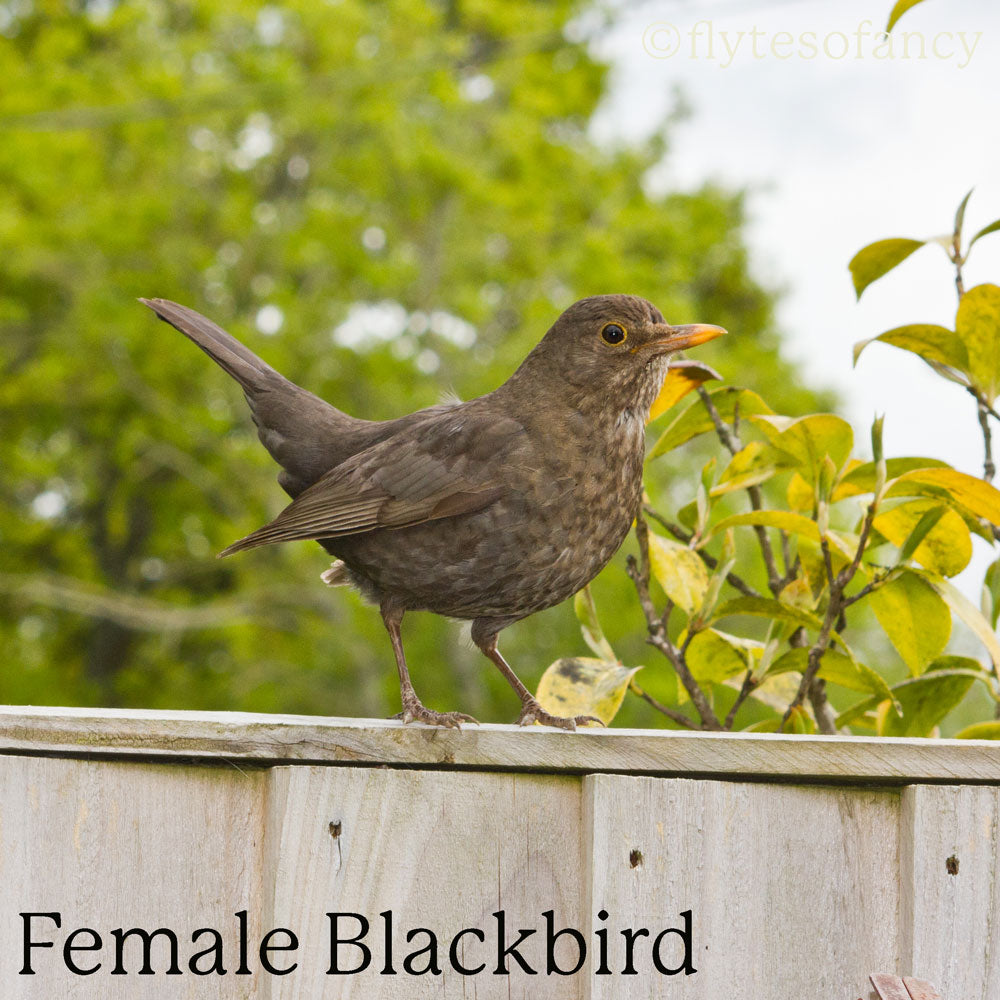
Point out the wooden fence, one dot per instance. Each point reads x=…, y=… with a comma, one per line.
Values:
x=763, y=867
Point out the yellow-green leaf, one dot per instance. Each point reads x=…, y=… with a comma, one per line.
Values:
x=577, y=685
x=861, y=479
x=980, y=731
x=990, y=604
x=877, y=259
x=794, y=524
x=753, y=464
x=898, y=10
x=809, y=439
x=767, y=607
x=985, y=231
x=975, y=495
x=694, y=420
x=978, y=324
x=965, y=610
x=786, y=520
x=947, y=546
x=836, y=668
x=800, y=495
x=682, y=377
x=914, y=617
x=926, y=700
x=590, y=626
x=928, y=341
x=713, y=656
x=679, y=571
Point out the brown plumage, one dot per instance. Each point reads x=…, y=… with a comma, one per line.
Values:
x=488, y=510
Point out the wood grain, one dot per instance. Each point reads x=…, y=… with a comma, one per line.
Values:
x=442, y=851
x=271, y=739
x=950, y=877
x=117, y=845
x=792, y=889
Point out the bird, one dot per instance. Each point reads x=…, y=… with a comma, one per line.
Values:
x=487, y=510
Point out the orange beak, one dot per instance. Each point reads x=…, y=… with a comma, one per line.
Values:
x=680, y=338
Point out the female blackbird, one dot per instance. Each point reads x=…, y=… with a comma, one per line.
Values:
x=488, y=510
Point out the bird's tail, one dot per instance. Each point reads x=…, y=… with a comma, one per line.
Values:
x=223, y=348
x=304, y=434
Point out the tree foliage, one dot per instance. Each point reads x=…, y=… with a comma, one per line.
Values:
x=838, y=536
x=388, y=202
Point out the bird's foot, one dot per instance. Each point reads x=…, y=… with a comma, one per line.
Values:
x=532, y=712
x=414, y=711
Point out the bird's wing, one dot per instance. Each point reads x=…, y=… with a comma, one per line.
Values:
x=439, y=467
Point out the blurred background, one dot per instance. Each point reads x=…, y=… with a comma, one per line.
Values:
x=388, y=202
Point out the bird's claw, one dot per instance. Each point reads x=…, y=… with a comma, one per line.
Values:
x=532, y=712
x=414, y=711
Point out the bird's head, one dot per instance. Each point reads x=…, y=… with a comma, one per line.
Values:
x=615, y=348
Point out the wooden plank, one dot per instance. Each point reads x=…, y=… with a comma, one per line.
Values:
x=116, y=845
x=441, y=851
x=792, y=890
x=889, y=987
x=950, y=877
x=269, y=739
x=920, y=989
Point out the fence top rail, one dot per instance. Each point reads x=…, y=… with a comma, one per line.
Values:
x=267, y=740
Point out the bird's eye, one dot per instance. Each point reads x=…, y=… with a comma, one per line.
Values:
x=613, y=333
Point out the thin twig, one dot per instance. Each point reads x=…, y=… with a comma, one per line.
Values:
x=679, y=717
x=774, y=579
x=748, y=687
x=982, y=408
x=658, y=637
x=834, y=612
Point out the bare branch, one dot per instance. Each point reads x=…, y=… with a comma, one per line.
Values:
x=679, y=717
x=748, y=687
x=656, y=626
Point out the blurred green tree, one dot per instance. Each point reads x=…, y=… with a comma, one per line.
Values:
x=388, y=202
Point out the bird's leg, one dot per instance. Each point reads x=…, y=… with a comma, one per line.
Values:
x=531, y=711
x=413, y=709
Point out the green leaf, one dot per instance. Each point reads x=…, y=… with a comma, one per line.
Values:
x=927, y=340
x=978, y=324
x=713, y=656
x=863, y=478
x=795, y=524
x=914, y=617
x=965, y=610
x=753, y=464
x=926, y=700
x=767, y=607
x=975, y=495
x=679, y=571
x=694, y=420
x=809, y=439
x=985, y=231
x=682, y=377
x=878, y=259
x=929, y=532
x=960, y=217
x=980, y=731
x=898, y=10
x=947, y=666
x=836, y=668
x=590, y=626
x=577, y=685
x=991, y=594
